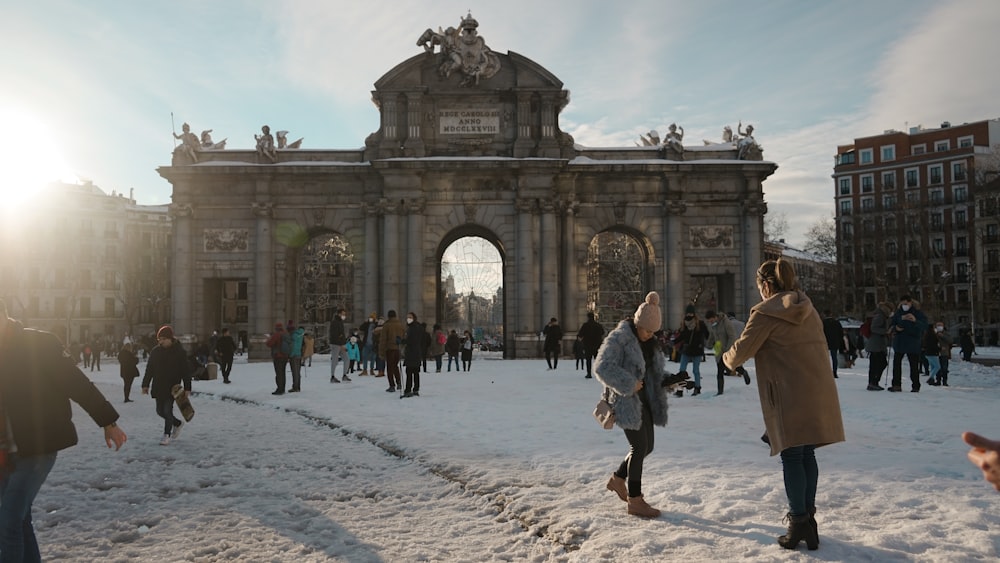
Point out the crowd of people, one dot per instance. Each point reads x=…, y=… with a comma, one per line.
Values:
x=795, y=352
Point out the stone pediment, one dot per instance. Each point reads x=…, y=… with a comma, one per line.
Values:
x=459, y=98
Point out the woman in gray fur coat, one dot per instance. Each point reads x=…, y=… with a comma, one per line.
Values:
x=630, y=365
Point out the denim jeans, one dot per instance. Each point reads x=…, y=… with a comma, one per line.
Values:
x=368, y=358
x=695, y=367
x=834, y=360
x=451, y=359
x=17, y=492
x=801, y=477
x=165, y=408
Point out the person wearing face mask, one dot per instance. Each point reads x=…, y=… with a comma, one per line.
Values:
x=368, y=345
x=629, y=365
x=693, y=335
x=944, y=354
x=798, y=396
x=338, y=346
x=907, y=327
x=413, y=354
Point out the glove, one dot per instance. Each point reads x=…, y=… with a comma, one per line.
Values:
x=679, y=377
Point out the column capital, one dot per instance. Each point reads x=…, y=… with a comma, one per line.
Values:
x=674, y=207
x=755, y=208
x=262, y=209
x=180, y=210
x=526, y=205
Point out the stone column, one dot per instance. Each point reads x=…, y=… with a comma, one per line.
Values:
x=391, y=256
x=526, y=311
x=524, y=144
x=753, y=237
x=414, y=136
x=549, y=251
x=571, y=290
x=673, y=258
x=182, y=274
x=264, y=314
x=416, y=278
x=370, y=269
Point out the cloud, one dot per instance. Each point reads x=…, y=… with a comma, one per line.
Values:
x=939, y=70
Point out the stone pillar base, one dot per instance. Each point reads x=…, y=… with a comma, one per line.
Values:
x=258, y=350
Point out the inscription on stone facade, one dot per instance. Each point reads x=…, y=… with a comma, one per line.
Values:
x=226, y=240
x=712, y=236
x=469, y=121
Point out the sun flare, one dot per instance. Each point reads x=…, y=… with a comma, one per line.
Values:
x=29, y=159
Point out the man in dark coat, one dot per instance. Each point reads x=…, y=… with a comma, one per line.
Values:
x=225, y=349
x=877, y=345
x=168, y=366
x=553, y=342
x=37, y=381
x=907, y=328
x=593, y=334
x=834, y=333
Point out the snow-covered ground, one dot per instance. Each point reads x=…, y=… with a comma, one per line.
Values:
x=505, y=463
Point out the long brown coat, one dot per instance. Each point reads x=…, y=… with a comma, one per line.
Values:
x=798, y=395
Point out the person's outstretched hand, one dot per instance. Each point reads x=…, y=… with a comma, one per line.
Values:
x=985, y=454
x=113, y=435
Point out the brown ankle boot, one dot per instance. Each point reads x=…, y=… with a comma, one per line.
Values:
x=617, y=485
x=799, y=529
x=637, y=507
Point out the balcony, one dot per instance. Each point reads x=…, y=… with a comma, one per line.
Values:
x=937, y=179
x=960, y=176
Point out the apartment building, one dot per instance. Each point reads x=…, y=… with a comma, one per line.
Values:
x=87, y=265
x=908, y=222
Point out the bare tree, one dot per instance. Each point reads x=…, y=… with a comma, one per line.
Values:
x=821, y=239
x=775, y=226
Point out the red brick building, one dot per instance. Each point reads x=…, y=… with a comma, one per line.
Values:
x=909, y=222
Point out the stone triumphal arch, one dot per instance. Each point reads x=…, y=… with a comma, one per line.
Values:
x=469, y=142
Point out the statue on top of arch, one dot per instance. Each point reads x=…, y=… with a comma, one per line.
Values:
x=463, y=50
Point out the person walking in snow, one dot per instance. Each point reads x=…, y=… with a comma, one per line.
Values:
x=592, y=334
x=553, y=343
x=390, y=339
x=467, y=345
x=167, y=366
x=452, y=347
x=37, y=382
x=279, y=356
x=798, y=395
x=413, y=351
x=629, y=365
x=693, y=335
x=128, y=368
x=225, y=349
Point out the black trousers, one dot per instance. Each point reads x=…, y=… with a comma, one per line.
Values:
x=640, y=445
x=897, y=370
x=877, y=362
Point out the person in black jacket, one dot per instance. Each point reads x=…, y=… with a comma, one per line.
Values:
x=338, y=346
x=128, y=365
x=553, y=342
x=37, y=381
x=452, y=347
x=225, y=349
x=693, y=335
x=413, y=354
x=167, y=366
x=834, y=333
x=593, y=334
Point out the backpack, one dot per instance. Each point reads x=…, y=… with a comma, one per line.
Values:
x=442, y=338
x=286, y=344
x=866, y=329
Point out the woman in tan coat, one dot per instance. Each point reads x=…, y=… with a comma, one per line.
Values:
x=798, y=395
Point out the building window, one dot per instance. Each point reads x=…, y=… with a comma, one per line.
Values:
x=891, y=275
x=963, y=296
x=936, y=173
x=913, y=198
x=109, y=307
x=845, y=158
x=912, y=250
x=965, y=142
x=868, y=255
x=918, y=149
x=961, y=194
x=914, y=276
x=890, y=224
x=941, y=146
x=869, y=276
x=992, y=233
x=888, y=180
x=867, y=204
x=867, y=184
x=937, y=221
x=845, y=207
x=868, y=226
x=847, y=229
x=867, y=156
x=60, y=307
x=912, y=178
x=891, y=251
x=958, y=172
x=845, y=186
x=961, y=221
x=962, y=246
x=888, y=202
x=848, y=254
x=888, y=153
x=936, y=197
x=84, y=307
x=937, y=248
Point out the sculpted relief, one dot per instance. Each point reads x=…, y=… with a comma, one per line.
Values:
x=226, y=240
x=461, y=50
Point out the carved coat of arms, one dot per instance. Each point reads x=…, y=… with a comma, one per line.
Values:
x=462, y=50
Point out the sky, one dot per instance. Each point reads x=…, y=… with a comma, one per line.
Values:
x=92, y=90
x=505, y=463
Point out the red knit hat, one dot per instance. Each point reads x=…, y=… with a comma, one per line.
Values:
x=165, y=332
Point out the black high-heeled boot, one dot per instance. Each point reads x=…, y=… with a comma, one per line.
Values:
x=799, y=529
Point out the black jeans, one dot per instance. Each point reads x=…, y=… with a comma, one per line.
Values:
x=225, y=366
x=640, y=445
x=801, y=475
x=897, y=369
x=165, y=408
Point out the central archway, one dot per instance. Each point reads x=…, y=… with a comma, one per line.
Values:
x=471, y=286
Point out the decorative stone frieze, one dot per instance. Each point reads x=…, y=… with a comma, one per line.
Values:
x=226, y=240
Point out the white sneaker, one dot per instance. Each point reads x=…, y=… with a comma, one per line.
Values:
x=166, y=440
x=177, y=430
